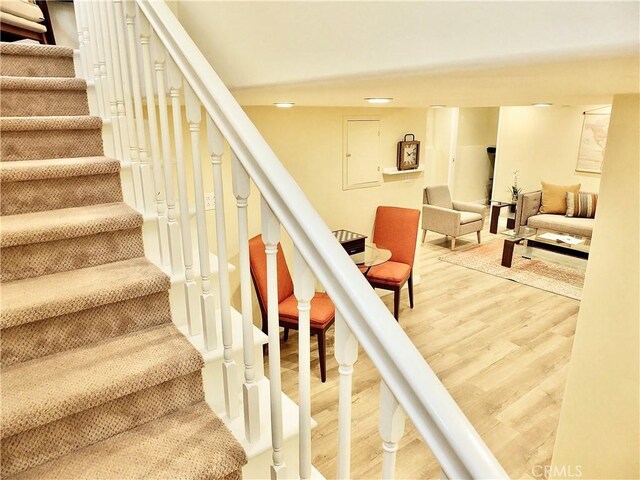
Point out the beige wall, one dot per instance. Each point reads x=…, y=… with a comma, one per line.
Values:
x=308, y=141
x=63, y=21
x=542, y=143
x=477, y=129
x=598, y=428
x=439, y=131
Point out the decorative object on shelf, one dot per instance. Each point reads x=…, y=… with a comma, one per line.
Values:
x=515, y=190
x=408, y=153
x=595, y=127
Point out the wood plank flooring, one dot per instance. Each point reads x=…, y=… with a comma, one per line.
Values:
x=501, y=349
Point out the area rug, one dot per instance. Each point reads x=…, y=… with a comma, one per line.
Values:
x=486, y=258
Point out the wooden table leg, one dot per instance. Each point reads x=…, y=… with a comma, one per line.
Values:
x=495, y=215
x=507, y=252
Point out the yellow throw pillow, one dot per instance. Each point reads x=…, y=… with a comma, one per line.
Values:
x=554, y=197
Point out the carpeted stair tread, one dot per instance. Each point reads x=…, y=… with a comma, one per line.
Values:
x=58, y=122
x=191, y=443
x=57, y=168
x=37, y=298
x=43, y=96
x=22, y=60
x=47, y=226
x=46, y=389
x=35, y=50
x=48, y=442
x=42, y=83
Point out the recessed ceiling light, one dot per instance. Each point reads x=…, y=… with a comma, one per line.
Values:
x=437, y=106
x=542, y=104
x=284, y=104
x=378, y=100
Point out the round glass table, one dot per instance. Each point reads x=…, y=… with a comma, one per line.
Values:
x=371, y=257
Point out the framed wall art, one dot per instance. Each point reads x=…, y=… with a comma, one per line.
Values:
x=593, y=141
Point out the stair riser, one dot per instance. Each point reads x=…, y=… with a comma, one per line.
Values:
x=50, y=441
x=28, y=103
x=57, y=193
x=37, y=66
x=58, y=334
x=37, y=259
x=44, y=144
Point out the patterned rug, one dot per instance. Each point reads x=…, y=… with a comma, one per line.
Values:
x=486, y=258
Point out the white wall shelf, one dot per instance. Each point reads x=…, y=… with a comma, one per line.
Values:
x=395, y=171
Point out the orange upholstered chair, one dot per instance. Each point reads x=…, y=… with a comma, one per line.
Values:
x=322, y=309
x=395, y=229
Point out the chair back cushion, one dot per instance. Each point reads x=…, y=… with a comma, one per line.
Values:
x=438, y=196
x=396, y=229
x=258, y=266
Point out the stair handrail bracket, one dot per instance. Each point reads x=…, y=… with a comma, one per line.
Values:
x=453, y=440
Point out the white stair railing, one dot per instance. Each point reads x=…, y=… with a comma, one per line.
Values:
x=409, y=388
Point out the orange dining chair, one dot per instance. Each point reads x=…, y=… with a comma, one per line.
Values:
x=322, y=310
x=395, y=229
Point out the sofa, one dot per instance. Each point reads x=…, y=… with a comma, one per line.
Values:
x=528, y=214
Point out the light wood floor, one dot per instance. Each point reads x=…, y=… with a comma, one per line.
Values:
x=500, y=348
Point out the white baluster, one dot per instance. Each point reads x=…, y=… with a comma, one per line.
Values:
x=229, y=366
x=81, y=14
x=391, y=427
x=90, y=39
x=304, y=289
x=146, y=178
x=443, y=476
x=113, y=59
x=158, y=177
x=173, y=229
x=250, y=391
x=190, y=286
x=134, y=152
x=78, y=8
x=102, y=39
x=346, y=353
x=271, y=237
x=207, y=307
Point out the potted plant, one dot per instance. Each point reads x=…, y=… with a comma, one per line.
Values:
x=515, y=190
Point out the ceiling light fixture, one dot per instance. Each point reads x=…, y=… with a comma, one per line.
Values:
x=438, y=106
x=284, y=104
x=378, y=100
x=543, y=104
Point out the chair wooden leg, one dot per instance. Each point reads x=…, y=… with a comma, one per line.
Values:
x=453, y=243
x=410, y=286
x=479, y=236
x=323, y=356
x=424, y=235
x=286, y=333
x=396, y=303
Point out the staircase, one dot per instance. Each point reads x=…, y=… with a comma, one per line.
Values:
x=97, y=382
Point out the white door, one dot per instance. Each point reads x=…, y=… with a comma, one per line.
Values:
x=362, y=154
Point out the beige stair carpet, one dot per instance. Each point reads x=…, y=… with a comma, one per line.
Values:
x=53, y=184
x=96, y=380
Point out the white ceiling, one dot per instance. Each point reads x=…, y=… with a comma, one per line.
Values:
x=420, y=53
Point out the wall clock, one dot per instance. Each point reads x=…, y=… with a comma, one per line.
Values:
x=408, y=153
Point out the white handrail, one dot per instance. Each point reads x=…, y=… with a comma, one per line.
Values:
x=453, y=440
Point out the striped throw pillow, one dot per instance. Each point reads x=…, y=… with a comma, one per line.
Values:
x=582, y=204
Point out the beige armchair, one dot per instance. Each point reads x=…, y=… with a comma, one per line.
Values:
x=451, y=218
